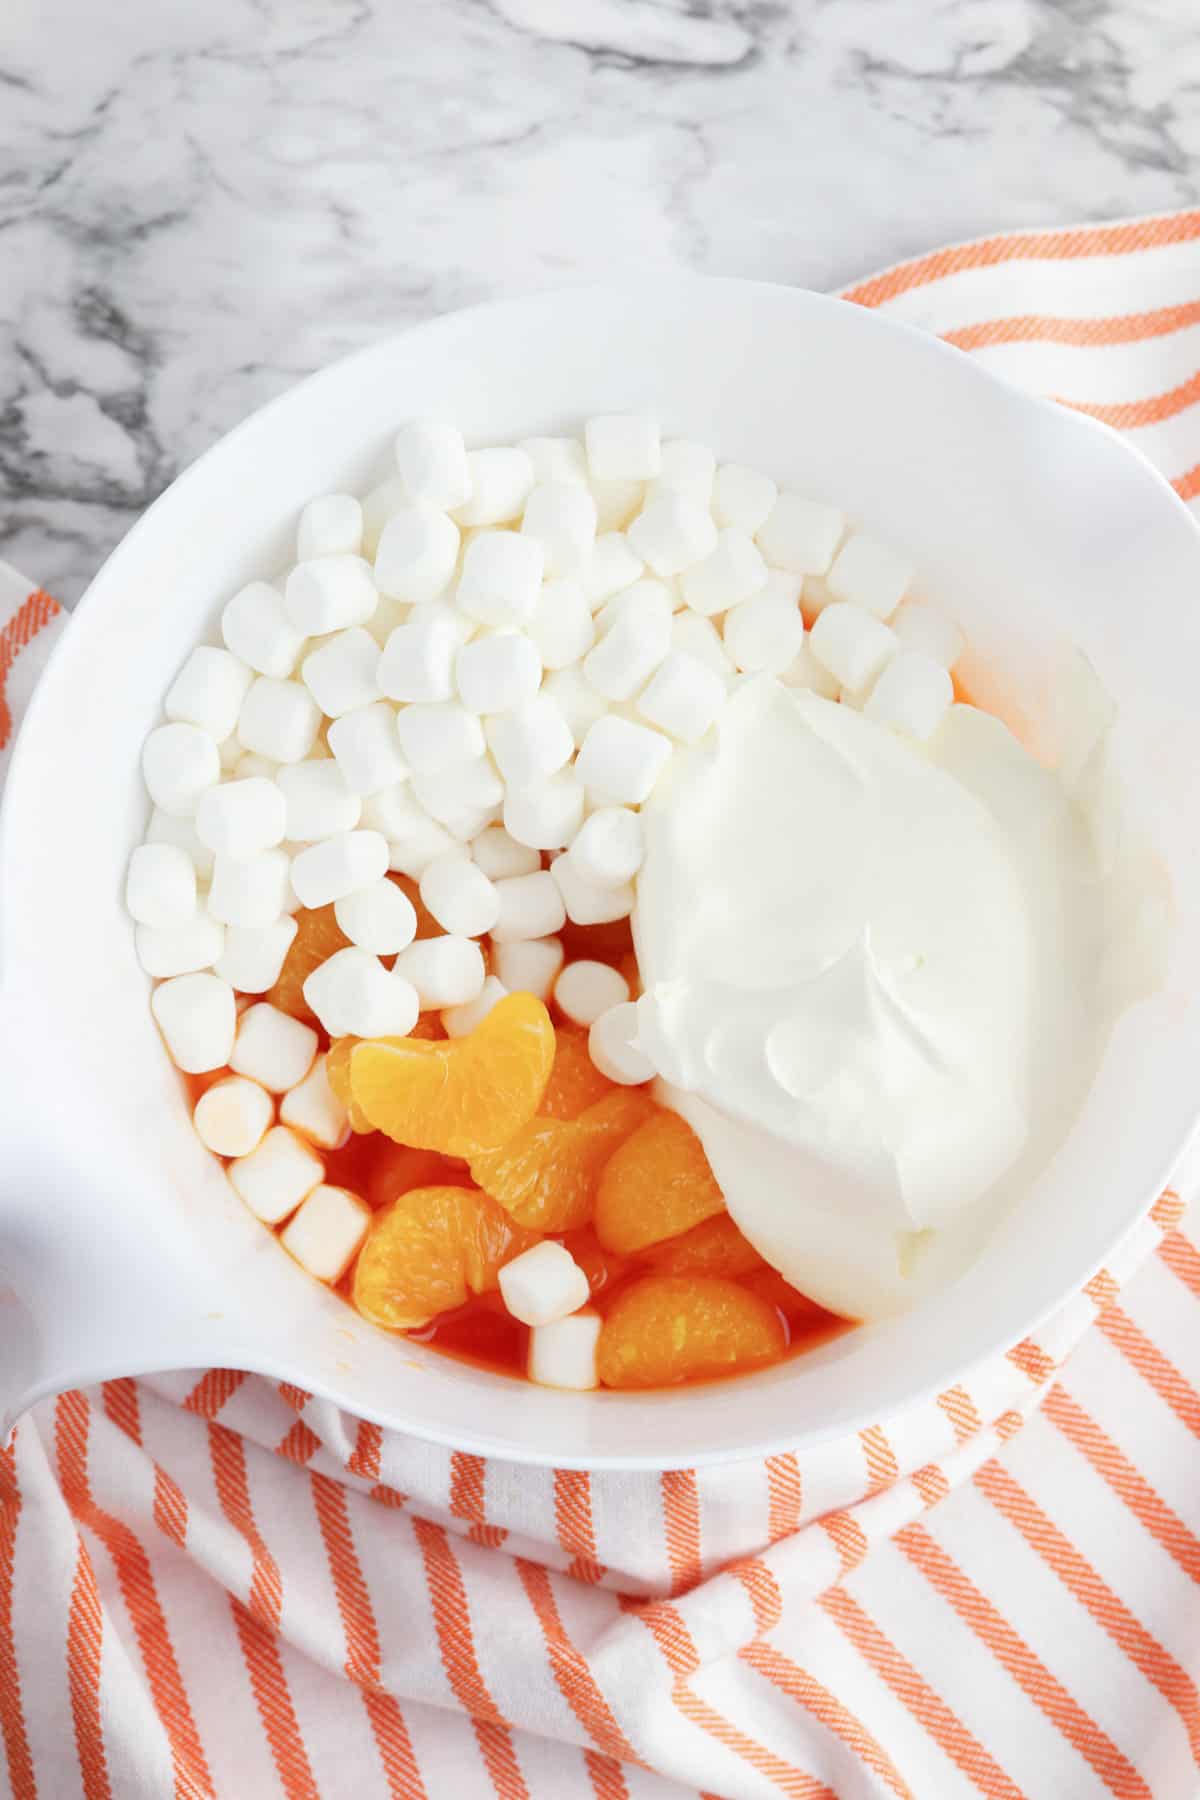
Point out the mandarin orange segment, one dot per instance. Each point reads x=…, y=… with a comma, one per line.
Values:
x=714, y=1247
x=337, y=1071
x=426, y=1251
x=547, y=1174
x=318, y=937
x=801, y=1313
x=668, y=1328
x=464, y=1095
x=657, y=1185
x=575, y=1081
x=396, y=1170
x=429, y=1025
x=602, y=1267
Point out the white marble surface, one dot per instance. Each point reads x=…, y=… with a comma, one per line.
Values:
x=200, y=202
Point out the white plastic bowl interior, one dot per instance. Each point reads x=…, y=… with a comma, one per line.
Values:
x=124, y=1248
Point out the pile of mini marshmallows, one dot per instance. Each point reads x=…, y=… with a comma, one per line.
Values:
x=475, y=677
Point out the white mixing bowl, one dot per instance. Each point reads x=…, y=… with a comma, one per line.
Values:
x=123, y=1247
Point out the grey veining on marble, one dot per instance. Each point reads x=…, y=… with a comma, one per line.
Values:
x=200, y=202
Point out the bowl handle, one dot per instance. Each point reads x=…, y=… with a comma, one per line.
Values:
x=87, y=1293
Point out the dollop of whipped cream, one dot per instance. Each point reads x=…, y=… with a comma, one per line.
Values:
x=866, y=967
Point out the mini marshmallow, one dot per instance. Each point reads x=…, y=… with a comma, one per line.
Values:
x=620, y=761
x=250, y=766
x=500, y=855
x=576, y=699
x=240, y=818
x=169, y=828
x=389, y=615
x=913, y=694
x=342, y=673
x=279, y=719
x=467, y=790
x=587, y=902
x=252, y=956
x=806, y=672
x=197, y=1015
x=742, y=497
x=609, y=847
x=730, y=574
x=612, y=1046
x=672, y=533
x=800, y=535
x=636, y=638
x=531, y=742
x=231, y=752
x=178, y=763
x=497, y=672
x=870, y=574
x=338, y=866
x=584, y=990
x=561, y=516
x=328, y=593
x=616, y=503
x=379, y=917
x=160, y=886
x=276, y=1176
x=353, y=995
x=413, y=838
x=531, y=906
x=257, y=629
x=432, y=460
x=611, y=566
x=380, y=505
x=208, y=691
x=543, y=1284
x=231, y=1116
x=366, y=748
x=556, y=459
x=563, y=1353
x=249, y=890
x=180, y=949
x=439, y=735
x=501, y=479
x=459, y=895
x=445, y=971
x=561, y=626
x=418, y=657
x=852, y=644
x=686, y=467
x=273, y=1048
x=925, y=628
x=312, y=1107
x=700, y=638
x=501, y=575
x=685, y=696
x=622, y=447
x=460, y=1021
x=547, y=814
x=764, y=633
x=417, y=555
x=331, y=525
x=318, y=801
x=325, y=1233
x=530, y=966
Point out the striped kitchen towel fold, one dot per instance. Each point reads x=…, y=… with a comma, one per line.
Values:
x=211, y=1585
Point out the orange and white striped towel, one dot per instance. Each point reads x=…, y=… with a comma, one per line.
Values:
x=213, y=1586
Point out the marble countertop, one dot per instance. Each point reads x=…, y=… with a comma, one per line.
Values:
x=201, y=203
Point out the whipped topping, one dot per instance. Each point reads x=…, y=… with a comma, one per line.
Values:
x=869, y=970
